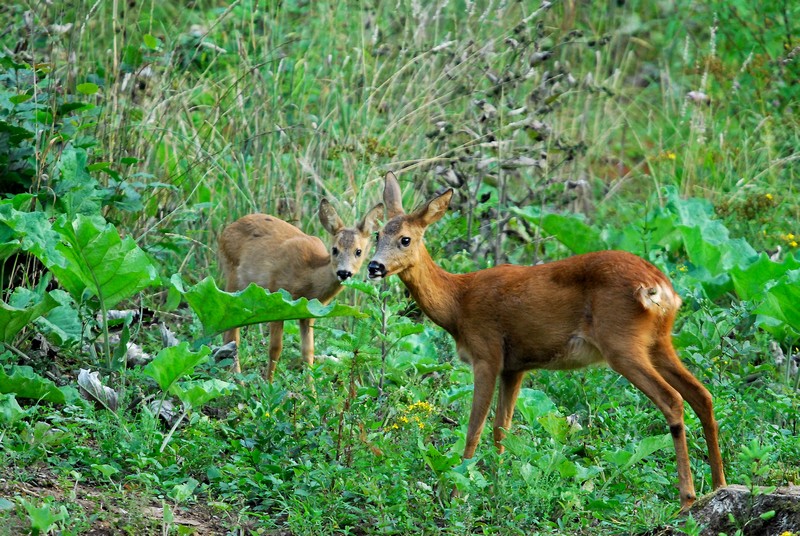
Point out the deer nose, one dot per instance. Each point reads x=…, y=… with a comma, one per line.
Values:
x=376, y=269
x=344, y=274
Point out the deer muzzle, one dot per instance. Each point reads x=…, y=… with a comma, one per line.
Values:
x=376, y=270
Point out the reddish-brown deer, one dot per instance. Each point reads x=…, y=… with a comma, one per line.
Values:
x=608, y=306
x=274, y=254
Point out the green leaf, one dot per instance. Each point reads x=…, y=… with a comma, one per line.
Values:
x=87, y=88
x=533, y=404
x=570, y=230
x=100, y=262
x=648, y=446
x=31, y=232
x=62, y=324
x=150, y=41
x=16, y=135
x=555, y=425
x=104, y=469
x=10, y=409
x=19, y=99
x=196, y=394
x=174, y=362
x=751, y=280
x=219, y=311
x=25, y=383
x=42, y=518
x=76, y=190
x=13, y=319
x=780, y=310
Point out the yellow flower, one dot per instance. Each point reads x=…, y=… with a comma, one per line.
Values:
x=768, y=196
x=683, y=268
x=671, y=155
x=793, y=244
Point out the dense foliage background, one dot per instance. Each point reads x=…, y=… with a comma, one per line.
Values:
x=132, y=132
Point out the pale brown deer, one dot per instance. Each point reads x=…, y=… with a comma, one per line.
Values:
x=274, y=254
x=608, y=306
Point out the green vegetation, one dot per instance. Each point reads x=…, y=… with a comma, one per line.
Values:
x=132, y=132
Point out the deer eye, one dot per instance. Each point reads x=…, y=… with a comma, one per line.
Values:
x=358, y=253
x=405, y=241
x=335, y=251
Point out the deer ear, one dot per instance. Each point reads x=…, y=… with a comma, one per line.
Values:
x=329, y=218
x=370, y=222
x=392, y=196
x=434, y=209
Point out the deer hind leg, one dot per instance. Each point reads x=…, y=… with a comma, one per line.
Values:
x=671, y=369
x=636, y=367
x=510, y=383
x=275, y=347
x=307, y=340
x=485, y=378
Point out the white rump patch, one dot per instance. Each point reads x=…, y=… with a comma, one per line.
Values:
x=658, y=297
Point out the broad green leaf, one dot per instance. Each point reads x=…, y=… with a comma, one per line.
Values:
x=13, y=319
x=105, y=469
x=751, y=280
x=42, y=518
x=555, y=425
x=570, y=230
x=648, y=446
x=100, y=262
x=196, y=394
x=29, y=231
x=10, y=409
x=173, y=363
x=219, y=311
x=533, y=404
x=87, y=88
x=62, y=324
x=25, y=383
x=15, y=133
x=76, y=190
x=150, y=41
x=779, y=313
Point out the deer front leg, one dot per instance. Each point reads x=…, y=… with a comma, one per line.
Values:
x=485, y=379
x=233, y=335
x=307, y=340
x=275, y=347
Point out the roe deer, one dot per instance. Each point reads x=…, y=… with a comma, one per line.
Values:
x=265, y=250
x=608, y=306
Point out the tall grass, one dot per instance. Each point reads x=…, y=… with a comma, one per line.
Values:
x=210, y=110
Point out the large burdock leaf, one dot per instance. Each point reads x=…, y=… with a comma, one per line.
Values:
x=29, y=231
x=13, y=319
x=25, y=383
x=10, y=409
x=100, y=262
x=779, y=313
x=196, y=394
x=219, y=311
x=174, y=362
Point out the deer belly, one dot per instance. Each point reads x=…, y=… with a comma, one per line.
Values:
x=577, y=353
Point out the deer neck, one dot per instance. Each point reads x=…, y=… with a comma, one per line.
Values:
x=321, y=283
x=436, y=291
